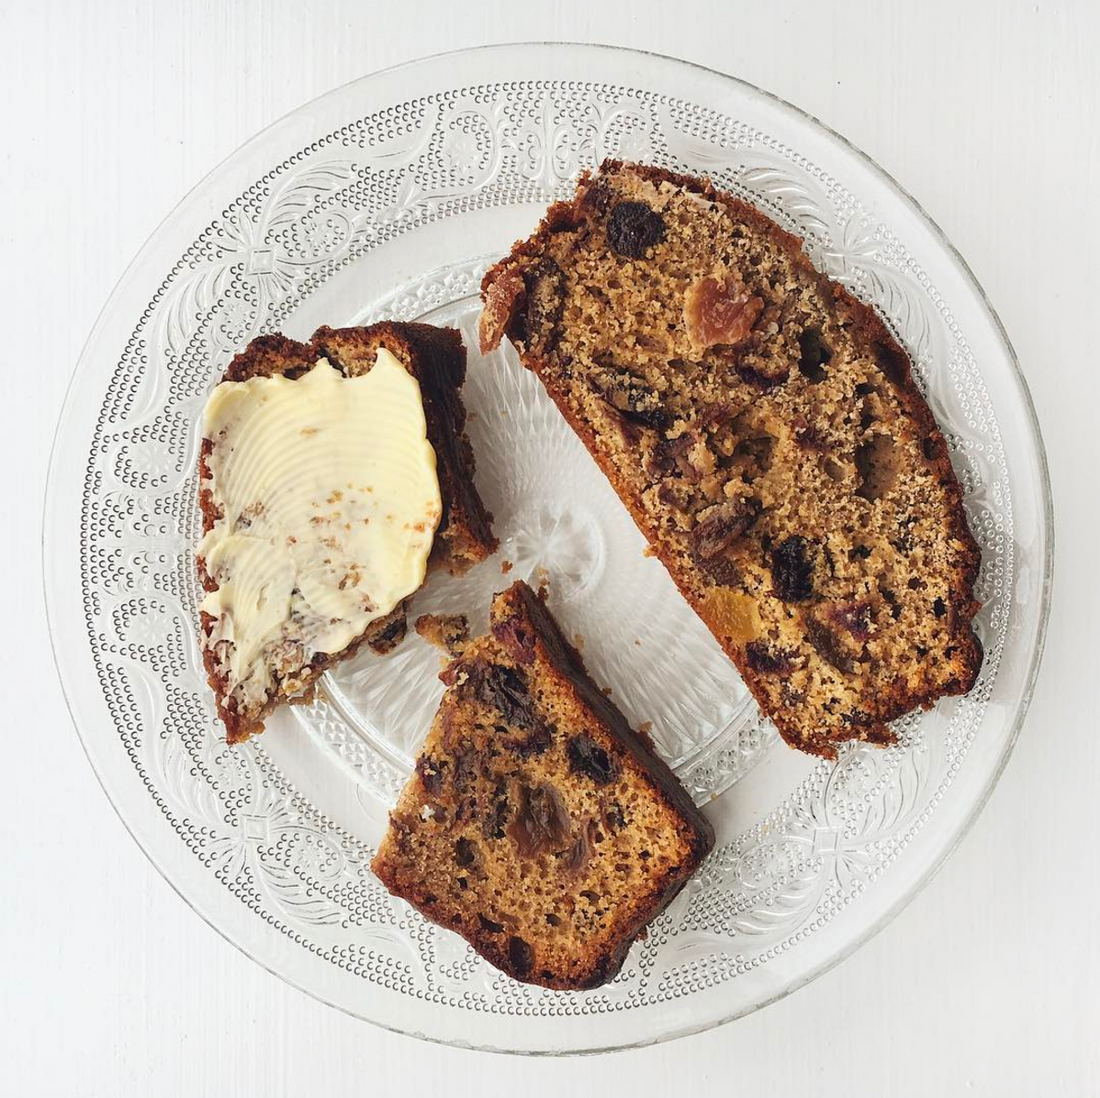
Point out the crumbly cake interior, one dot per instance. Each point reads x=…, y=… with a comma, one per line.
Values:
x=763, y=429
x=537, y=825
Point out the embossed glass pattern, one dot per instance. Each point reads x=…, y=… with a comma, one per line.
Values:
x=388, y=198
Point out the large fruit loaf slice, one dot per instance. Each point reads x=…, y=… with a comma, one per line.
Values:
x=764, y=430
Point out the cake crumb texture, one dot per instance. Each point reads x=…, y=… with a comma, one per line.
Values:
x=765, y=432
x=537, y=824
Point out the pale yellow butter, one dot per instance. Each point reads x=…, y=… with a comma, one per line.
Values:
x=330, y=500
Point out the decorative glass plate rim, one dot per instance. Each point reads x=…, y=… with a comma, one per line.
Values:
x=961, y=268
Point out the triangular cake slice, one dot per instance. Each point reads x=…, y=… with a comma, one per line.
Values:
x=765, y=432
x=537, y=824
x=331, y=473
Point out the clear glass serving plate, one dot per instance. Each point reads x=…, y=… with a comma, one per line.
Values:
x=388, y=198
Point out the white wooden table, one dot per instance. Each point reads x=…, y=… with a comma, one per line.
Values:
x=989, y=983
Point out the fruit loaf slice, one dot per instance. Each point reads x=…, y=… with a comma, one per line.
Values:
x=537, y=824
x=309, y=436
x=764, y=430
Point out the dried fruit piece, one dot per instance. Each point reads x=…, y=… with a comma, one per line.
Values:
x=492, y=827
x=541, y=824
x=629, y=396
x=517, y=638
x=633, y=229
x=732, y=614
x=855, y=617
x=719, y=311
x=520, y=955
x=430, y=772
x=792, y=569
x=763, y=374
x=505, y=689
x=587, y=757
x=723, y=571
x=580, y=853
x=765, y=660
x=489, y=925
x=723, y=525
x=827, y=645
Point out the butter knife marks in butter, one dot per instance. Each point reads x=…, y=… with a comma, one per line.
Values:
x=328, y=499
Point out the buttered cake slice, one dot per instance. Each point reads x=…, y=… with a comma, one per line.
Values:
x=322, y=486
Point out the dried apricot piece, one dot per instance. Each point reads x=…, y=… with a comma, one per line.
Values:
x=719, y=310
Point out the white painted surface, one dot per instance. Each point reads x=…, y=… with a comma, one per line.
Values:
x=989, y=983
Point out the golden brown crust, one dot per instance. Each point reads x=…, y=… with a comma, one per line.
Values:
x=512, y=285
x=437, y=358
x=441, y=856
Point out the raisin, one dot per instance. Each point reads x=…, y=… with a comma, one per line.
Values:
x=860, y=551
x=939, y=608
x=489, y=925
x=614, y=820
x=520, y=955
x=431, y=774
x=455, y=670
x=579, y=854
x=541, y=313
x=634, y=401
x=517, y=639
x=930, y=448
x=792, y=570
x=855, y=617
x=765, y=661
x=723, y=526
x=541, y=824
x=496, y=818
x=757, y=449
x=661, y=462
x=505, y=690
x=720, y=570
x=597, y=197
x=587, y=757
x=827, y=646
x=465, y=852
x=633, y=229
x=814, y=355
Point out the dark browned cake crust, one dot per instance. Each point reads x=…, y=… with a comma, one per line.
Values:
x=537, y=824
x=436, y=357
x=765, y=432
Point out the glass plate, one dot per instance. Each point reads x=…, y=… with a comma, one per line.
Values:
x=388, y=198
